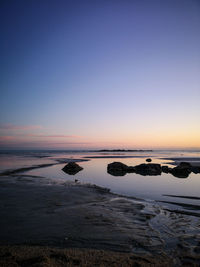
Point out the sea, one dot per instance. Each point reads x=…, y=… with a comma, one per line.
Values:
x=171, y=191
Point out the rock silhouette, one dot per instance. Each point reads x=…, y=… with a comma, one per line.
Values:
x=148, y=169
x=72, y=168
x=120, y=169
x=183, y=170
x=117, y=169
x=165, y=169
x=148, y=160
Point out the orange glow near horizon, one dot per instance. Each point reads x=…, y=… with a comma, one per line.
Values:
x=141, y=141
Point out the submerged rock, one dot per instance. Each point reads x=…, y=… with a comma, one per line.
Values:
x=117, y=168
x=72, y=168
x=148, y=160
x=148, y=169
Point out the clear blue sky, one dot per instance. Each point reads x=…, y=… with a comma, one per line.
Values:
x=100, y=73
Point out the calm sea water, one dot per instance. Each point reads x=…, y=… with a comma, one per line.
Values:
x=95, y=172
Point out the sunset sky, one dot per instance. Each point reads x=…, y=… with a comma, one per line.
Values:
x=100, y=74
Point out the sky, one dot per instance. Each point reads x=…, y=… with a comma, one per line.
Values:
x=86, y=74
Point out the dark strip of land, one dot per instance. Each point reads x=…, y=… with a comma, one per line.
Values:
x=188, y=197
x=123, y=150
x=113, y=157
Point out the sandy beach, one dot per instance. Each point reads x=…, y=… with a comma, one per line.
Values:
x=45, y=256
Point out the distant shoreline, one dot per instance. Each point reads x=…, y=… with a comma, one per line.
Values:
x=123, y=150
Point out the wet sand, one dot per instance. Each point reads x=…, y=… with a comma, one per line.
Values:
x=36, y=212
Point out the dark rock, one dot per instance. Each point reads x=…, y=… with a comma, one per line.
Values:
x=195, y=169
x=131, y=169
x=179, y=173
x=184, y=165
x=148, y=169
x=148, y=160
x=72, y=168
x=165, y=169
x=120, y=169
x=182, y=170
x=117, y=165
x=117, y=169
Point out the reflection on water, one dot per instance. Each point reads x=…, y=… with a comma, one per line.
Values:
x=131, y=184
x=72, y=168
x=152, y=187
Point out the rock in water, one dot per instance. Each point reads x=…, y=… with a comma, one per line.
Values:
x=148, y=169
x=165, y=169
x=117, y=169
x=182, y=170
x=120, y=169
x=148, y=160
x=185, y=165
x=195, y=169
x=131, y=169
x=72, y=168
